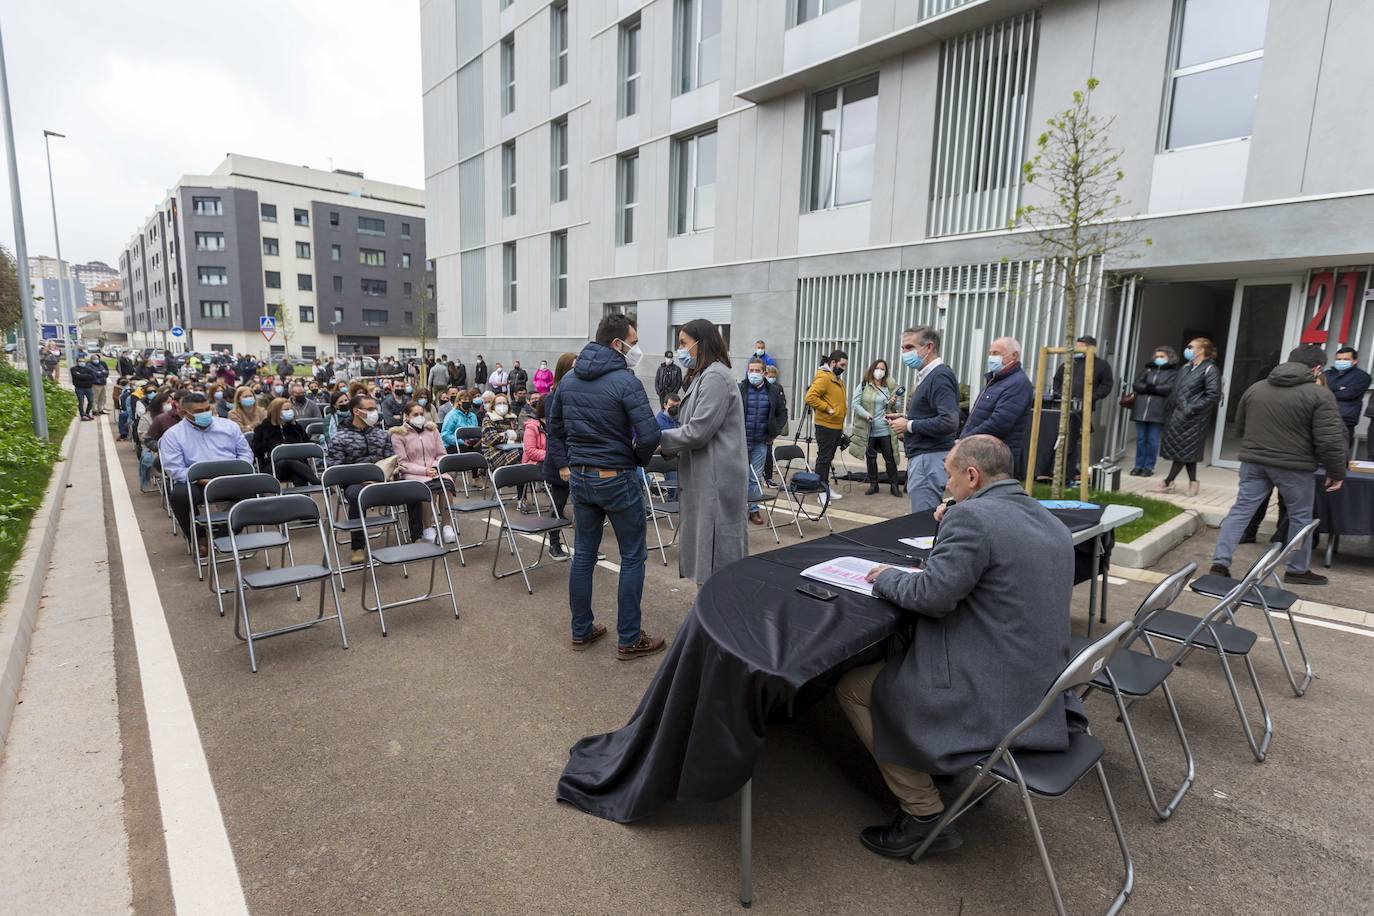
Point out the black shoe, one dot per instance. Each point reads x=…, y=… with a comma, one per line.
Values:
x=1219, y=570
x=1146, y=472
x=558, y=552
x=1306, y=577
x=1135, y=472
x=872, y=489
x=895, y=490
x=899, y=839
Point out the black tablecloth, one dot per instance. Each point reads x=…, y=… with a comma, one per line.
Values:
x=749, y=644
x=1350, y=510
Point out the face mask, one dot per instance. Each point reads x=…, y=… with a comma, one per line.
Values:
x=543, y=365
x=878, y=374
x=633, y=356
x=203, y=420
x=1188, y=354
x=911, y=359
x=287, y=416
x=771, y=379
x=219, y=395
x=341, y=408
x=249, y=402
x=758, y=351
x=167, y=407
x=423, y=401
x=277, y=389
x=994, y=364
x=1161, y=362
x=410, y=390
x=672, y=411
x=756, y=378
x=684, y=357
x=501, y=410
x=838, y=370
x=371, y=417
x=1342, y=364
x=418, y=421
x=1079, y=354
x=668, y=360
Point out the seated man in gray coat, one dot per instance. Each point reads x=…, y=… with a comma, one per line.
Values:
x=990, y=627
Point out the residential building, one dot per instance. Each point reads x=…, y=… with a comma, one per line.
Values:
x=47, y=301
x=827, y=172
x=44, y=267
x=336, y=259
x=92, y=274
x=105, y=294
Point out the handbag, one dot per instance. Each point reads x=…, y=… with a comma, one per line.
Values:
x=389, y=464
x=806, y=482
x=1127, y=399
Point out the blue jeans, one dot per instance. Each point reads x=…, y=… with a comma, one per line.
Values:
x=757, y=455
x=925, y=480
x=124, y=423
x=621, y=498
x=1298, y=489
x=85, y=401
x=1147, y=444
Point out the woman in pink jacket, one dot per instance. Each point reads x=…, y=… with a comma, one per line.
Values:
x=543, y=378
x=536, y=447
x=418, y=450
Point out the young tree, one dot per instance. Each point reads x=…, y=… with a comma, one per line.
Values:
x=11, y=303
x=424, y=332
x=286, y=325
x=1078, y=172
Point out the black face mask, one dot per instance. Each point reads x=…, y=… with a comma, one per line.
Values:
x=672, y=411
x=838, y=370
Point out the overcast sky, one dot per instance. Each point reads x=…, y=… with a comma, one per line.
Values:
x=150, y=90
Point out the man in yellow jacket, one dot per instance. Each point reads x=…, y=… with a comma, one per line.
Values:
x=826, y=399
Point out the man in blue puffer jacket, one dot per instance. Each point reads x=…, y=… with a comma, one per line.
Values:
x=1003, y=409
x=602, y=417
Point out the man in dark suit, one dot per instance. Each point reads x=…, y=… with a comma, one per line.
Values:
x=1003, y=409
x=1348, y=382
x=990, y=634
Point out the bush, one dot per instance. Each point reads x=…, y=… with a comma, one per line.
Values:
x=26, y=462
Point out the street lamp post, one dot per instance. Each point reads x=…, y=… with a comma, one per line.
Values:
x=21, y=257
x=64, y=302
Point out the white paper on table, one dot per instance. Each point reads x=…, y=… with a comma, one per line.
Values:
x=844, y=572
x=1362, y=465
x=925, y=543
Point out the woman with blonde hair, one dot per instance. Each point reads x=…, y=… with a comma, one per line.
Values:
x=1188, y=413
x=247, y=412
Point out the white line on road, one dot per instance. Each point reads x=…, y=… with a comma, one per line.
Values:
x=200, y=861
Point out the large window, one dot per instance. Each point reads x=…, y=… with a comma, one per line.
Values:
x=209, y=241
x=405, y=230
x=306, y=313
x=696, y=29
x=375, y=318
x=507, y=74
x=371, y=225
x=804, y=10
x=558, y=157
x=272, y=279
x=372, y=257
x=626, y=197
x=558, y=269
x=558, y=42
x=302, y=217
x=1218, y=49
x=305, y=282
x=373, y=287
x=269, y=212
x=213, y=276
x=207, y=206
x=844, y=130
x=694, y=183
x=214, y=308
x=509, y=277
x=270, y=246
x=628, y=102
x=303, y=250
x=508, y=178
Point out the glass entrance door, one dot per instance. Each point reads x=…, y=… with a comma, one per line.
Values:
x=1261, y=322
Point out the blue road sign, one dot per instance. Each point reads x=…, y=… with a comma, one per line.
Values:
x=177, y=331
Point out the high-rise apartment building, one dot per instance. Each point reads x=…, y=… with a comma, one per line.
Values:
x=824, y=173
x=336, y=259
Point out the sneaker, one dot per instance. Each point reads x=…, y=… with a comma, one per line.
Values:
x=522, y=507
x=427, y=535
x=1220, y=570
x=450, y=536
x=645, y=645
x=559, y=552
x=1306, y=577
x=835, y=494
x=598, y=630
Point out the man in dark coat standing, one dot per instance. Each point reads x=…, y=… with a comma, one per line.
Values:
x=991, y=633
x=1348, y=382
x=1003, y=409
x=479, y=371
x=1102, y=386
x=667, y=379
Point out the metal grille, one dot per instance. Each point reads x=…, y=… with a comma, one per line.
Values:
x=936, y=7
x=980, y=129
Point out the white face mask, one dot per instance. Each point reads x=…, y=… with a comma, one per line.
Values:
x=371, y=417
x=418, y=421
x=167, y=407
x=632, y=356
x=501, y=409
x=878, y=374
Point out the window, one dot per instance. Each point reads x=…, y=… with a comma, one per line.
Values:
x=214, y=308
x=558, y=42
x=308, y=352
x=627, y=198
x=336, y=252
x=844, y=130
x=406, y=289
x=1218, y=49
x=338, y=313
x=213, y=276
x=406, y=352
x=302, y=217
x=303, y=250
x=209, y=241
x=405, y=260
x=272, y=279
x=269, y=212
x=338, y=283
x=371, y=225
x=375, y=318
x=409, y=317
x=334, y=218
x=507, y=74
x=508, y=178
x=806, y=10
x=558, y=269
x=696, y=28
x=694, y=183
x=629, y=68
x=305, y=283
x=307, y=314
x=508, y=276
x=206, y=206
x=373, y=287
x=372, y=257
x=559, y=158
x=405, y=230
x=270, y=246
x=630, y=310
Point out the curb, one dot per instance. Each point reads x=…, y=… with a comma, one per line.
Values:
x=1146, y=550
x=19, y=614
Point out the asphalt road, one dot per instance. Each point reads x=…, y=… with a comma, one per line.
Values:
x=415, y=773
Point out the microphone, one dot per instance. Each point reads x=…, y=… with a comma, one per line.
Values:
x=899, y=393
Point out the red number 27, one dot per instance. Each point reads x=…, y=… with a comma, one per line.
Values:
x=1321, y=294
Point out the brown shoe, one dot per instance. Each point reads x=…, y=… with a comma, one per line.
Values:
x=757, y=517
x=645, y=645
x=1193, y=488
x=598, y=631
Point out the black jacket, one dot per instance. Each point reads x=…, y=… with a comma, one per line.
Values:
x=460, y=375
x=1102, y=380
x=777, y=409
x=518, y=378
x=479, y=372
x=267, y=436
x=555, y=450
x=1289, y=421
x=601, y=413
x=1152, y=391
x=1188, y=412
x=1349, y=387
x=668, y=380
x=83, y=376
x=126, y=366
x=102, y=371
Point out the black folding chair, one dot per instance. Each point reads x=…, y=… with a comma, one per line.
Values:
x=391, y=496
x=1211, y=633
x=459, y=467
x=313, y=429
x=308, y=452
x=1270, y=599
x=783, y=458
x=1134, y=674
x=233, y=489
x=1049, y=774
x=662, y=506
x=278, y=512
x=469, y=435
x=335, y=479
x=514, y=477
x=768, y=500
x=203, y=517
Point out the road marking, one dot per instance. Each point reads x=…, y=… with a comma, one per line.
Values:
x=200, y=861
x=604, y=564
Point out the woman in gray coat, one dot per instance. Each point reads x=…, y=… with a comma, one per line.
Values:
x=713, y=460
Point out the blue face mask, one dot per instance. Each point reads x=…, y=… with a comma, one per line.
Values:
x=423, y=401
x=287, y=416
x=219, y=395
x=994, y=364
x=1188, y=355
x=203, y=420
x=684, y=357
x=912, y=360
x=772, y=380
x=249, y=402
x=1161, y=362
x=410, y=390
x=756, y=378
x=1342, y=364
x=277, y=389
